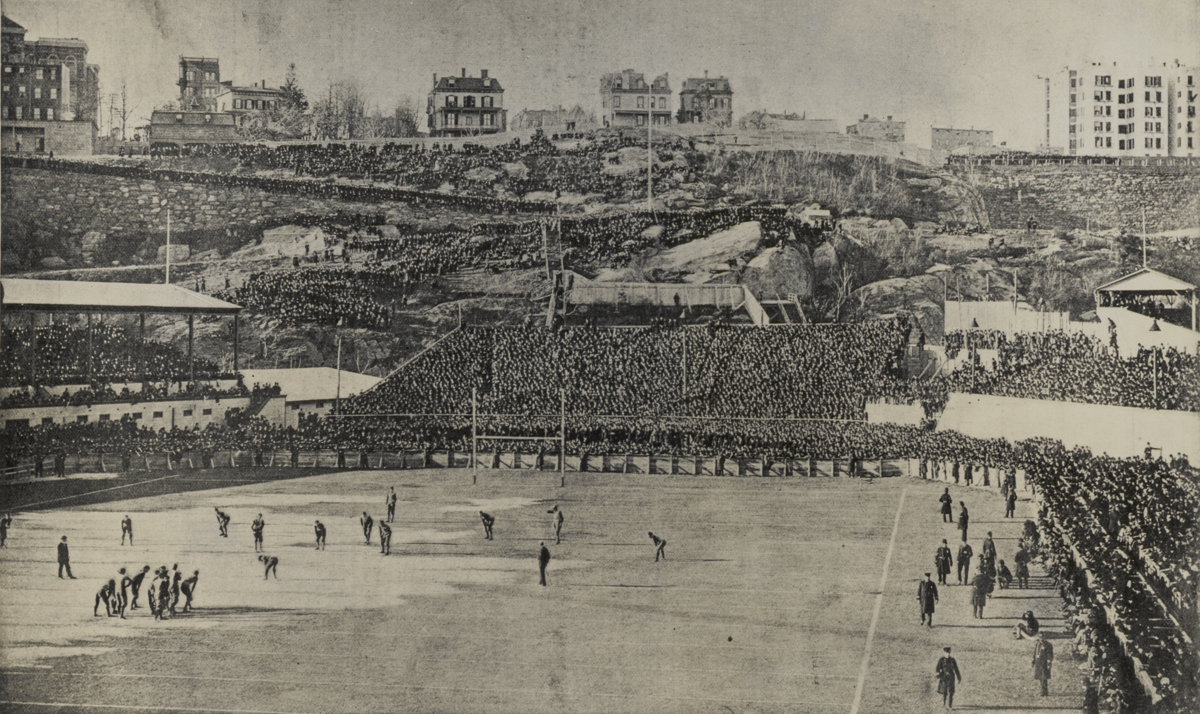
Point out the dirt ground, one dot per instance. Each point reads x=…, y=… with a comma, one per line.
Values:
x=768, y=600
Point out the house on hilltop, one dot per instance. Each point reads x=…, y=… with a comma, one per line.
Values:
x=706, y=100
x=627, y=100
x=466, y=106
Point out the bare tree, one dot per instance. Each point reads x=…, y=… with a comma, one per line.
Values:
x=126, y=109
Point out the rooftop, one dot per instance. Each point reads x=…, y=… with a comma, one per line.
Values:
x=1146, y=280
x=79, y=296
x=713, y=84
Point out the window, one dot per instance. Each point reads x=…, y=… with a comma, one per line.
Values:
x=1149, y=125
x=54, y=93
x=20, y=70
x=82, y=419
x=206, y=412
x=37, y=92
x=4, y=112
x=1158, y=96
x=1099, y=96
x=1153, y=81
x=1158, y=126
x=1120, y=84
x=641, y=103
x=470, y=120
x=1149, y=111
x=1149, y=143
x=1072, y=113
x=135, y=415
x=1098, y=126
x=158, y=415
x=487, y=82
x=47, y=420
x=1072, y=82
x=1147, y=96
x=37, y=113
x=53, y=73
x=37, y=73
x=1108, y=111
x=1158, y=143
x=237, y=104
x=295, y=407
x=1072, y=99
x=616, y=102
x=1107, y=126
x=208, y=118
x=641, y=119
x=1108, y=142
x=452, y=101
x=469, y=102
x=21, y=89
x=179, y=118
x=7, y=69
x=19, y=112
x=210, y=76
x=319, y=405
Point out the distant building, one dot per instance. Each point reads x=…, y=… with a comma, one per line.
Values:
x=884, y=129
x=790, y=122
x=50, y=94
x=182, y=129
x=553, y=120
x=466, y=106
x=199, y=83
x=952, y=139
x=706, y=100
x=1132, y=110
x=626, y=99
x=240, y=101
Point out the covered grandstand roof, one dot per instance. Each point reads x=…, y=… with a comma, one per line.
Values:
x=22, y=295
x=1146, y=280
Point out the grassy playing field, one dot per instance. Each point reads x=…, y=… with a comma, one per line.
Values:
x=768, y=601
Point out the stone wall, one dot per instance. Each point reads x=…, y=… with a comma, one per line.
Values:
x=1068, y=196
x=74, y=203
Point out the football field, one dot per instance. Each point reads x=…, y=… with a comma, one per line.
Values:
x=776, y=595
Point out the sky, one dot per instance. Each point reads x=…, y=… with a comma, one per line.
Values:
x=945, y=63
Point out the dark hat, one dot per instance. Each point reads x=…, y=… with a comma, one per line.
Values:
x=927, y=575
x=947, y=649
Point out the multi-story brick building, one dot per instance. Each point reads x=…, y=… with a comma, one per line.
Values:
x=1112, y=110
x=199, y=83
x=706, y=100
x=49, y=94
x=951, y=139
x=466, y=106
x=240, y=101
x=553, y=120
x=885, y=129
x=626, y=99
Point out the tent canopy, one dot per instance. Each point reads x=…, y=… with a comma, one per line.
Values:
x=1146, y=280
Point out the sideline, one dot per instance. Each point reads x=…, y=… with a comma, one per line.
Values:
x=862, y=672
x=89, y=493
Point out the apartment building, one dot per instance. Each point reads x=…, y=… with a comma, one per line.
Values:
x=706, y=100
x=1121, y=110
x=199, y=83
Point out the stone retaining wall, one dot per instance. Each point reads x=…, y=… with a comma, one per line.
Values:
x=1067, y=197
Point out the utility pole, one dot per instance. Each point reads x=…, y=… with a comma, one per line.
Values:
x=167, y=280
x=649, y=149
x=474, y=434
x=1143, y=236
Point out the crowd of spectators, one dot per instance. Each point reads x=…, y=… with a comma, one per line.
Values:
x=325, y=296
x=1076, y=367
x=66, y=354
x=816, y=371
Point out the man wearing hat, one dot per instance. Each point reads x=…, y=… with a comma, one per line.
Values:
x=927, y=596
x=1043, y=658
x=947, y=674
x=943, y=561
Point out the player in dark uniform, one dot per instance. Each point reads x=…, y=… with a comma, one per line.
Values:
x=164, y=593
x=222, y=522
x=188, y=587
x=659, y=547
x=135, y=586
x=176, y=577
x=269, y=562
x=368, y=524
x=105, y=595
x=5, y=522
x=488, y=522
x=123, y=592
x=319, y=529
x=127, y=529
x=385, y=538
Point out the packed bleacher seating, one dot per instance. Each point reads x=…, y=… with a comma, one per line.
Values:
x=819, y=371
x=117, y=354
x=1075, y=367
x=315, y=295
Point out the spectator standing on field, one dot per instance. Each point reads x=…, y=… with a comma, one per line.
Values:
x=1043, y=658
x=947, y=677
x=127, y=528
x=543, y=561
x=64, y=558
x=257, y=526
x=943, y=561
x=927, y=597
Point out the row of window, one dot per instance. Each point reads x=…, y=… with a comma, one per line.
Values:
x=35, y=113
x=713, y=102
x=51, y=93
x=254, y=104
x=83, y=418
x=195, y=75
x=469, y=101
x=468, y=119
x=38, y=72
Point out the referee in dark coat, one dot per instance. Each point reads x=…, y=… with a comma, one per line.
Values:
x=927, y=596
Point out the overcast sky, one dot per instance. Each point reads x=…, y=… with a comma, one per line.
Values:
x=960, y=63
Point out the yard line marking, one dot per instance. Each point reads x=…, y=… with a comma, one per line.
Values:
x=396, y=685
x=88, y=493
x=141, y=708
x=887, y=561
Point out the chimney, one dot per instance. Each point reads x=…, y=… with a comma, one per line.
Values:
x=435, y=79
x=706, y=74
x=483, y=73
x=865, y=116
x=464, y=70
x=264, y=84
x=889, y=117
